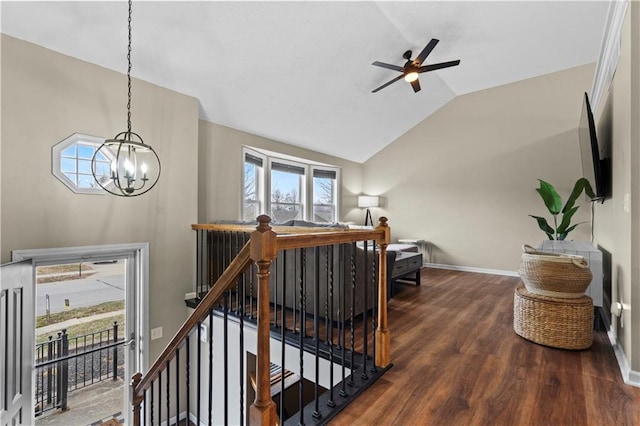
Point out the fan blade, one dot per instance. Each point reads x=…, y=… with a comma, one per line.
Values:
x=434, y=67
x=416, y=85
x=425, y=52
x=388, y=83
x=388, y=66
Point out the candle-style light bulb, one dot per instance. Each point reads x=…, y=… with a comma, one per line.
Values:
x=144, y=169
x=128, y=167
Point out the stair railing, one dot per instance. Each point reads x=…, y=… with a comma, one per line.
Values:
x=262, y=249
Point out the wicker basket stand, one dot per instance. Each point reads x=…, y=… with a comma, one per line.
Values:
x=565, y=323
x=553, y=274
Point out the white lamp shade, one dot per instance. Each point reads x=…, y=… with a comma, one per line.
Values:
x=367, y=201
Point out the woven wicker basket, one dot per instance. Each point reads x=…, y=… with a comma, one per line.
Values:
x=559, y=323
x=554, y=274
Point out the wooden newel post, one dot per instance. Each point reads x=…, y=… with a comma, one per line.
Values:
x=383, y=336
x=263, y=251
x=136, y=399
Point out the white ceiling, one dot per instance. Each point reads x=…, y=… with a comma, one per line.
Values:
x=300, y=72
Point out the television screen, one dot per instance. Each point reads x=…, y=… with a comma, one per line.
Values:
x=594, y=169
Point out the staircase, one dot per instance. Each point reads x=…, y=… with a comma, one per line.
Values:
x=294, y=320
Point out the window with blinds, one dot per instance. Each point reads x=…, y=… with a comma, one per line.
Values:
x=288, y=190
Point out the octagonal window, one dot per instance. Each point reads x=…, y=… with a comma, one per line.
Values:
x=72, y=163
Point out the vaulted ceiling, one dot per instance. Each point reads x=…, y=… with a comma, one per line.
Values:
x=300, y=72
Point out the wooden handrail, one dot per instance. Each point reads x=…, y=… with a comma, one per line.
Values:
x=226, y=281
x=280, y=230
x=286, y=242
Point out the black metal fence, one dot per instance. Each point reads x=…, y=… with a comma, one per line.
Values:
x=66, y=364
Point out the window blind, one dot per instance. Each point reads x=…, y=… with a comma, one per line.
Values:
x=252, y=159
x=280, y=167
x=326, y=174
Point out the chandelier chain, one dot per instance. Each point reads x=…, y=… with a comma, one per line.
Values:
x=129, y=75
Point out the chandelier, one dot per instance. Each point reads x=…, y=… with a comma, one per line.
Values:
x=125, y=165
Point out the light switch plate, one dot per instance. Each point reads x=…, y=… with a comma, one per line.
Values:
x=156, y=333
x=204, y=333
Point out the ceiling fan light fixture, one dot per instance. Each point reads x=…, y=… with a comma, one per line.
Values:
x=410, y=77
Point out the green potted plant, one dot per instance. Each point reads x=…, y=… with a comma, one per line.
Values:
x=553, y=202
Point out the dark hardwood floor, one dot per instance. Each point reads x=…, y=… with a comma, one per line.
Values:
x=457, y=361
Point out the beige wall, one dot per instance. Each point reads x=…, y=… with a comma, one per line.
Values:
x=464, y=179
x=220, y=165
x=46, y=97
x=616, y=229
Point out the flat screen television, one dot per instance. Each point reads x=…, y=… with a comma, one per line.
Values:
x=595, y=168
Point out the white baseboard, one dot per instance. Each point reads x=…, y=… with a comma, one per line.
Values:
x=629, y=376
x=473, y=269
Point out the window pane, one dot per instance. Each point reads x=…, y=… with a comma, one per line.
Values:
x=250, y=211
x=101, y=157
x=253, y=188
x=286, y=193
x=86, y=181
x=323, y=198
x=84, y=166
x=250, y=181
x=71, y=177
x=70, y=151
x=67, y=165
x=85, y=151
x=103, y=169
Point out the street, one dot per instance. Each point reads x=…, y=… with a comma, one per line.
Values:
x=81, y=292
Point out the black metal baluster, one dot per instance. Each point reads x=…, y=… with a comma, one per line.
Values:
x=294, y=299
x=242, y=358
x=225, y=356
x=187, y=374
x=151, y=403
x=365, y=308
x=251, y=277
x=144, y=405
x=178, y=384
x=374, y=316
x=327, y=323
x=283, y=326
x=303, y=261
x=316, y=332
x=93, y=344
x=330, y=253
x=198, y=371
x=274, y=280
x=160, y=396
x=236, y=251
x=210, y=367
x=168, y=368
x=341, y=317
x=352, y=310
x=199, y=254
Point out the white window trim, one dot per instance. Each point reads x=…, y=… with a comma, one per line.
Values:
x=56, y=154
x=261, y=190
x=307, y=187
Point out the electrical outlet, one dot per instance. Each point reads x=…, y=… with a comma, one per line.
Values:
x=156, y=333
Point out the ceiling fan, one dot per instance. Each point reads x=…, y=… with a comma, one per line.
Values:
x=412, y=68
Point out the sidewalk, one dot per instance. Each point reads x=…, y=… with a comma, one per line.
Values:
x=75, y=321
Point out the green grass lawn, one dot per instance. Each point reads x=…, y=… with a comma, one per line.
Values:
x=86, y=311
x=88, y=328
